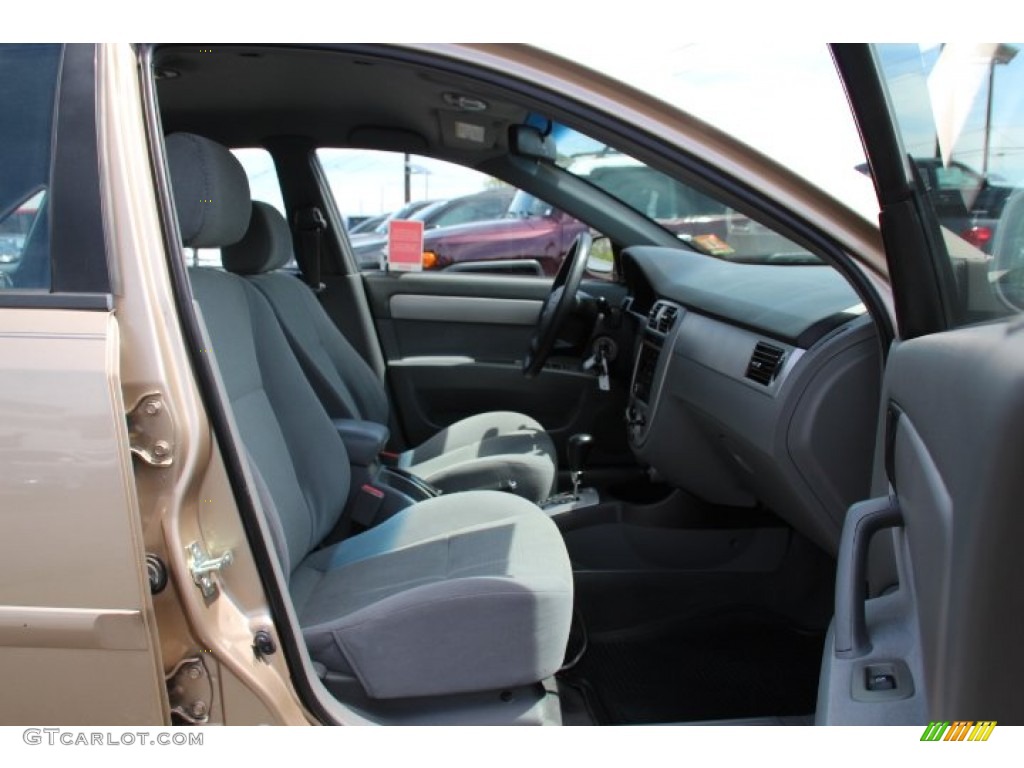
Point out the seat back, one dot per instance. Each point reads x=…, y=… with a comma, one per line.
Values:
x=288, y=435
x=344, y=382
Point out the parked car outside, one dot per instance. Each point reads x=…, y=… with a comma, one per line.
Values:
x=373, y=235
x=531, y=237
x=368, y=224
x=14, y=229
x=479, y=206
x=966, y=202
x=476, y=231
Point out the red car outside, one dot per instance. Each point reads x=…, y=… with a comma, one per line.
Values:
x=532, y=234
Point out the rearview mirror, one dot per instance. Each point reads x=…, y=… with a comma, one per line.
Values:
x=528, y=141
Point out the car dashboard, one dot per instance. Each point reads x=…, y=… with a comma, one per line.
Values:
x=753, y=384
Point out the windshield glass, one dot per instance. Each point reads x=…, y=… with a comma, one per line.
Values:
x=959, y=109
x=697, y=219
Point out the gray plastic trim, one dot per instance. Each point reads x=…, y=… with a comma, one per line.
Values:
x=95, y=302
x=727, y=349
x=894, y=631
x=733, y=441
x=465, y=309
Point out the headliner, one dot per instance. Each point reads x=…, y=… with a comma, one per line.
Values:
x=244, y=95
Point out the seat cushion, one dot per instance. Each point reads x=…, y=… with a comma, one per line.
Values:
x=460, y=593
x=500, y=450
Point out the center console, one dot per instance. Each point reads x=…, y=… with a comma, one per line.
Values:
x=649, y=369
x=377, y=491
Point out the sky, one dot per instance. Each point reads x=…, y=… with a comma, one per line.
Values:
x=921, y=84
x=785, y=100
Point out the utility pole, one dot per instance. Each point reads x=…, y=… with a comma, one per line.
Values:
x=408, y=178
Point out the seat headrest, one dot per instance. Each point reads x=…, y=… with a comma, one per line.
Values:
x=267, y=244
x=211, y=191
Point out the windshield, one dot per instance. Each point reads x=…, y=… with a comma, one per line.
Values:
x=699, y=220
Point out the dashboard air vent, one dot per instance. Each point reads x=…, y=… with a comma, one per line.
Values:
x=661, y=317
x=765, y=363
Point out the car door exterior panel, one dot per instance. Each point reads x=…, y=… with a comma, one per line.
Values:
x=75, y=604
x=78, y=635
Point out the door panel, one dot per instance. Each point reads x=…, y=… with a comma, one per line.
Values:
x=957, y=619
x=454, y=346
x=444, y=390
x=465, y=309
x=963, y=521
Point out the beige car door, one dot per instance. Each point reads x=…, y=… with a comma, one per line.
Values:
x=78, y=641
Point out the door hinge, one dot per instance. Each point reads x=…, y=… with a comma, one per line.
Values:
x=190, y=691
x=151, y=431
x=203, y=566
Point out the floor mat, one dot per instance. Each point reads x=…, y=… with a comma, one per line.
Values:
x=749, y=665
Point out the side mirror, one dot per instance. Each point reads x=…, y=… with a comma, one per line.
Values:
x=1007, y=266
x=601, y=261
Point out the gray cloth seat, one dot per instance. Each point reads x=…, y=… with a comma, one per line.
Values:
x=501, y=450
x=465, y=592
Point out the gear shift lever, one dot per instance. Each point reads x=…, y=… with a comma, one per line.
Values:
x=579, y=446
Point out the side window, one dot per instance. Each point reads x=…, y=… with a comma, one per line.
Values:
x=264, y=186
x=28, y=86
x=961, y=118
x=471, y=222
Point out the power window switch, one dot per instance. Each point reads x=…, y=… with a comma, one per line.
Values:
x=880, y=681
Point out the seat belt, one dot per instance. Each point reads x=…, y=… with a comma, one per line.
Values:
x=310, y=226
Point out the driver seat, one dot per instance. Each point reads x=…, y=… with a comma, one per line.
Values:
x=500, y=450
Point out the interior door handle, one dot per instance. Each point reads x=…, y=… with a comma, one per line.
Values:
x=862, y=522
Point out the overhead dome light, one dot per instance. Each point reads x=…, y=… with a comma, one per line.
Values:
x=464, y=103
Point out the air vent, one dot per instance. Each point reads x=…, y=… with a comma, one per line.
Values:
x=765, y=363
x=661, y=317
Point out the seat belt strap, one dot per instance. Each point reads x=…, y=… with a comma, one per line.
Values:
x=310, y=226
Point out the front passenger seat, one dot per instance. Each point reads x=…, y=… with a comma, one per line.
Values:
x=500, y=450
x=461, y=593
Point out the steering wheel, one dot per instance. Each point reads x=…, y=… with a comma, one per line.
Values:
x=557, y=305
